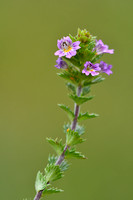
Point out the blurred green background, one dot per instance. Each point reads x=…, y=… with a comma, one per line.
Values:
x=30, y=91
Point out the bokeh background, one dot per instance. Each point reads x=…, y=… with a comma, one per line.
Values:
x=30, y=91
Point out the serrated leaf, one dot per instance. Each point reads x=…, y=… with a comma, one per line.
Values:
x=73, y=138
x=94, y=81
x=85, y=90
x=41, y=182
x=84, y=116
x=80, y=100
x=64, y=75
x=57, y=145
x=97, y=80
x=53, y=172
x=71, y=87
x=68, y=110
x=72, y=153
x=63, y=166
x=52, y=159
x=51, y=191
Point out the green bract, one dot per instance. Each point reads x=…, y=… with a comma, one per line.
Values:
x=41, y=182
x=53, y=172
x=73, y=138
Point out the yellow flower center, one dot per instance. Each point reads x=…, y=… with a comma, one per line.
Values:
x=68, y=49
x=89, y=69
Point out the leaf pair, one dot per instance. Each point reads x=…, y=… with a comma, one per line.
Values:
x=82, y=116
x=80, y=100
x=63, y=166
x=70, y=153
x=41, y=184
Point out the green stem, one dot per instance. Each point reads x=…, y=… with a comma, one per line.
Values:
x=62, y=156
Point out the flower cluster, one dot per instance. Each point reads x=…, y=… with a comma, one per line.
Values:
x=69, y=48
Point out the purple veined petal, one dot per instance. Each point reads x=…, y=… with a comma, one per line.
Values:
x=59, y=53
x=101, y=48
x=76, y=45
x=96, y=67
x=111, y=51
x=94, y=73
x=68, y=54
x=61, y=64
x=102, y=63
x=108, y=72
x=109, y=66
x=72, y=52
x=83, y=71
x=76, y=48
x=57, y=66
x=87, y=73
x=67, y=39
x=86, y=64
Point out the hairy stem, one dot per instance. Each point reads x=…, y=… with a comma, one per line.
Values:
x=73, y=127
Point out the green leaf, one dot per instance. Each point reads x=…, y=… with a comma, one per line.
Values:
x=79, y=129
x=68, y=110
x=73, y=62
x=73, y=138
x=52, y=159
x=63, y=166
x=53, y=172
x=97, y=80
x=97, y=57
x=71, y=87
x=94, y=81
x=85, y=91
x=84, y=116
x=72, y=38
x=64, y=75
x=57, y=145
x=72, y=153
x=41, y=182
x=51, y=191
x=80, y=100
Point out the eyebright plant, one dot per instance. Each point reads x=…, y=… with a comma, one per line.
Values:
x=78, y=61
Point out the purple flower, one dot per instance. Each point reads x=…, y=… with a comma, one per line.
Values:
x=61, y=64
x=66, y=47
x=91, y=69
x=101, y=48
x=105, y=68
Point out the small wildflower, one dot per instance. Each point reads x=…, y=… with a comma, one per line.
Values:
x=101, y=48
x=68, y=130
x=67, y=47
x=61, y=64
x=91, y=69
x=105, y=68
